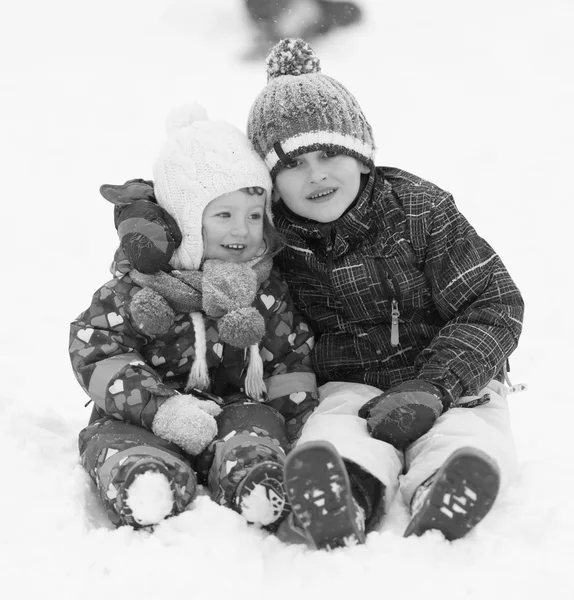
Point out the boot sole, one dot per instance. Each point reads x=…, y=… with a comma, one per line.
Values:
x=319, y=491
x=462, y=494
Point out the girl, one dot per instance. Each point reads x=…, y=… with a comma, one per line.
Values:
x=192, y=354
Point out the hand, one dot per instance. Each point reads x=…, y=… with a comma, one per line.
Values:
x=404, y=413
x=187, y=421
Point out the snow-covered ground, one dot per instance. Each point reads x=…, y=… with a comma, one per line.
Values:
x=476, y=97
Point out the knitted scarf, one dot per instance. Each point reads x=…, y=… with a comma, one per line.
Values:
x=223, y=291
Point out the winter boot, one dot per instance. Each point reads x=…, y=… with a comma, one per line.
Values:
x=146, y=496
x=246, y=459
x=322, y=502
x=456, y=497
x=260, y=496
x=133, y=469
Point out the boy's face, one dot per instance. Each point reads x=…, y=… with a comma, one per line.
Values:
x=320, y=185
x=233, y=226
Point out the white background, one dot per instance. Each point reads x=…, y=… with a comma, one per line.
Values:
x=476, y=97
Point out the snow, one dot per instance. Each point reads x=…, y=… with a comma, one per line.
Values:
x=257, y=505
x=475, y=97
x=150, y=498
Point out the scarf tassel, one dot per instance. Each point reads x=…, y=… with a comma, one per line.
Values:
x=199, y=376
x=255, y=387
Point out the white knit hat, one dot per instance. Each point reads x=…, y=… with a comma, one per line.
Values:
x=201, y=161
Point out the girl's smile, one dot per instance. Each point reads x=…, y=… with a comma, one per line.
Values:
x=233, y=226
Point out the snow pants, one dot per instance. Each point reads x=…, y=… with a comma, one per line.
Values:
x=112, y=451
x=486, y=427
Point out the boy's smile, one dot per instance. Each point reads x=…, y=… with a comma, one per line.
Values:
x=320, y=185
x=322, y=194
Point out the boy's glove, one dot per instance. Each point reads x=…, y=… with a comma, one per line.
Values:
x=404, y=413
x=187, y=421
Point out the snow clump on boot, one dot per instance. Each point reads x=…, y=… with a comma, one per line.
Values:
x=150, y=498
x=261, y=505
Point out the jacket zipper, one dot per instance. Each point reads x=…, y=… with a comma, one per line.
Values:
x=395, y=314
x=391, y=290
x=330, y=249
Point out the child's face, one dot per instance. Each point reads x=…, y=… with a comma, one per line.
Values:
x=320, y=185
x=233, y=226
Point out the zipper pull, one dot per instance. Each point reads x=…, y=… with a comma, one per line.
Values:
x=395, y=314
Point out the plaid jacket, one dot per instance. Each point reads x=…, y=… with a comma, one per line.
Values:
x=401, y=287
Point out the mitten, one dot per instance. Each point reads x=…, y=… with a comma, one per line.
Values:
x=148, y=234
x=404, y=413
x=187, y=421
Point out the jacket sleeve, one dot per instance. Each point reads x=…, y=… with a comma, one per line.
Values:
x=474, y=294
x=105, y=351
x=285, y=349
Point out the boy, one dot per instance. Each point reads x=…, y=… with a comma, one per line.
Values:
x=415, y=317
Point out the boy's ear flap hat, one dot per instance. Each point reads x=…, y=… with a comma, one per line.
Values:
x=301, y=110
x=202, y=160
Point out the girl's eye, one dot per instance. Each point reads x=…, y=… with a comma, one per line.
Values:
x=256, y=216
x=331, y=153
x=224, y=215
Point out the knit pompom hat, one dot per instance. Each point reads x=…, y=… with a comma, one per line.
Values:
x=301, y=110
x=202, y=160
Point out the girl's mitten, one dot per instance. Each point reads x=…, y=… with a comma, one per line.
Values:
x=187, y=421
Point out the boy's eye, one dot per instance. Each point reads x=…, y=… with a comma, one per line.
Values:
x=331, y=153
x=224, y=215
x=256, y=216
x=292, y=164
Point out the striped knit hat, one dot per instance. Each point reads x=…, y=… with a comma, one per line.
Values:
x=301, y=110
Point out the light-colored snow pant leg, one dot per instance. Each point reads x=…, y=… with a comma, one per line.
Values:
x=336, y=420
x=486, y=427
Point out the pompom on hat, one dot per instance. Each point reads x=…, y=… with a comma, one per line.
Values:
x=301, y=110
x=200, y=161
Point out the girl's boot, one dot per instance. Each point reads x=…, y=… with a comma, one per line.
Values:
x=141, y=479
x=246, y=464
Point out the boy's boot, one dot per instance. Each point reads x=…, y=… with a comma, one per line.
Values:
x=456, y=497
x=260, y=496
x=321, y=497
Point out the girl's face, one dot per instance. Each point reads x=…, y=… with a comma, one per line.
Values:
x=233, y=226
x=320, y=185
